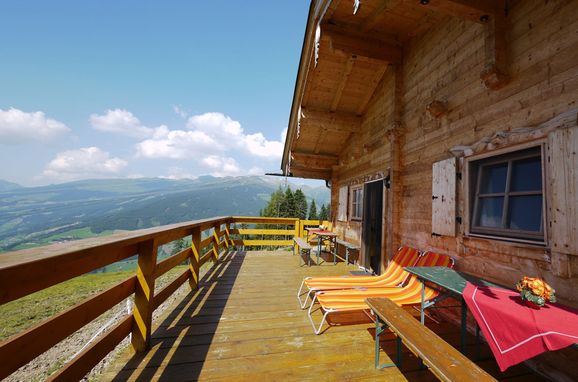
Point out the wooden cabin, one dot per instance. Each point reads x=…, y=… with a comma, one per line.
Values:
x=446, y=125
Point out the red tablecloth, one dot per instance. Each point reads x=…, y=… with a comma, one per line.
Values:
x=516, y=332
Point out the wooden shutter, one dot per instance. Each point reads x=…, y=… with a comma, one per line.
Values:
x=342, y=211
x=562, y=165
x=443, y=220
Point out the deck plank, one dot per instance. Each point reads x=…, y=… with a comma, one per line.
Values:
x=244, y=324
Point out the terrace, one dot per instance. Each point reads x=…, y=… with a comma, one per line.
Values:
x=240, y=318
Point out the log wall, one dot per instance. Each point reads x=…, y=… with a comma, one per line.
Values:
x=444, y=64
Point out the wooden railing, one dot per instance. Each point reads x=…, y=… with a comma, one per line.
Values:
x=28, y=271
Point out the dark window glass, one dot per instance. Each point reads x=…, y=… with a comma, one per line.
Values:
x=526, y=213
x=527, y=175
x=494, y=178
x=491, y=212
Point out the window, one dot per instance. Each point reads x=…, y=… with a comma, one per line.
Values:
x=356, y=203
x=342, y=208
x=508, y=195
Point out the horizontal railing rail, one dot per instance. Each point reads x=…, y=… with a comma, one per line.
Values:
x=28, y=271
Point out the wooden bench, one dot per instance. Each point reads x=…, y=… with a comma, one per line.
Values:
x=348, y=247
x=443, y=360
x=303, y=249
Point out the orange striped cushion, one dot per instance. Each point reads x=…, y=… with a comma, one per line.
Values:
x=393, y=275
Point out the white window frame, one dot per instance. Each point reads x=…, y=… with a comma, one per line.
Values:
x=356, y=207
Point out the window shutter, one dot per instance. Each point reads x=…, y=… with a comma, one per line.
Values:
x=563, y=190
x=342, y=212
x=444, y=198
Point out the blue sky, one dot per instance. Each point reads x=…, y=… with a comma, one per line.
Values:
x=100, y=89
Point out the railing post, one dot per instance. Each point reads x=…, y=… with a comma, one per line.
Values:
x=297, y=234
x=195, y=258
x=216, y=243
x=144, y=295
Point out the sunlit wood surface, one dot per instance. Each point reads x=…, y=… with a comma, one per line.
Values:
x=244, y=324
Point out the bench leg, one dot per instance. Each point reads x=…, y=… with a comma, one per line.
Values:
x=380, y=327
x=464, y=331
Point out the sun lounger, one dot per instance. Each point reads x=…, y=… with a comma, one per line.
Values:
x=393, y=276
x=352, y=300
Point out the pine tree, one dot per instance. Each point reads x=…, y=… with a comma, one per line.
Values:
x=300, y=204
x=313, y=211
x=179, y=245
x=287, y=208
x=273, y=208
x=323, y=213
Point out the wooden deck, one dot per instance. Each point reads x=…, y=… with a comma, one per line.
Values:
x=244, y=323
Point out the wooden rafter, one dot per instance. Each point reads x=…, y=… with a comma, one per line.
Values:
x=321, y=138
x=342, y=82
x=375, y=80
x=473, y=10
x=343, y=41
x=304, y=172
x=379, y=13
x=495, y=74
x=491, y=14
x=311, y=160
x=327, y=120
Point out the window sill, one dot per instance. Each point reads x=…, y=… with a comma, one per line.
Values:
x=521, y=243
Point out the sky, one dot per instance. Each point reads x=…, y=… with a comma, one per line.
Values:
x=142, y=88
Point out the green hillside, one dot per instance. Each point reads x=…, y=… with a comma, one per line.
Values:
x=37, y=216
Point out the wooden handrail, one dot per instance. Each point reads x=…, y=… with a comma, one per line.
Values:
x=19, y=350
x=28, y=271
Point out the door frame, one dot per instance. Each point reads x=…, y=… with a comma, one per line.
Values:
x=383, y=242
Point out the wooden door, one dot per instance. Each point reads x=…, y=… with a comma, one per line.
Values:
x=372, y=226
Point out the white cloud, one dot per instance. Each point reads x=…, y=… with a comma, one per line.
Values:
x=222, y=166
x=224, y=129
x=176, y=144
x=180, y=112
x=17, y=127
x=84, y=163
x=120, y=121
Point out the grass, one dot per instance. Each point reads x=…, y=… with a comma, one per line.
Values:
x=17, y=316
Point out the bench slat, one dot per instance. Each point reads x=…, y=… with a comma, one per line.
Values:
x=445, y=361
x=301, y=243
x=346, y=244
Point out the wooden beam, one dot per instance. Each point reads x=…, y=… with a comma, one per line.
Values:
x=310, y=173
x=473, y=10
x=322, y=119
x=354, y=44
x=321, y=138
x=377, y=15
x=375, y=80
x=322, y=161
x=342, y=82
x=495, y=73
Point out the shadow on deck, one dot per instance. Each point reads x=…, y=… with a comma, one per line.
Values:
x=244, y=323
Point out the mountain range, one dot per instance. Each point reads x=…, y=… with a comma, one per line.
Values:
x=33, y=216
